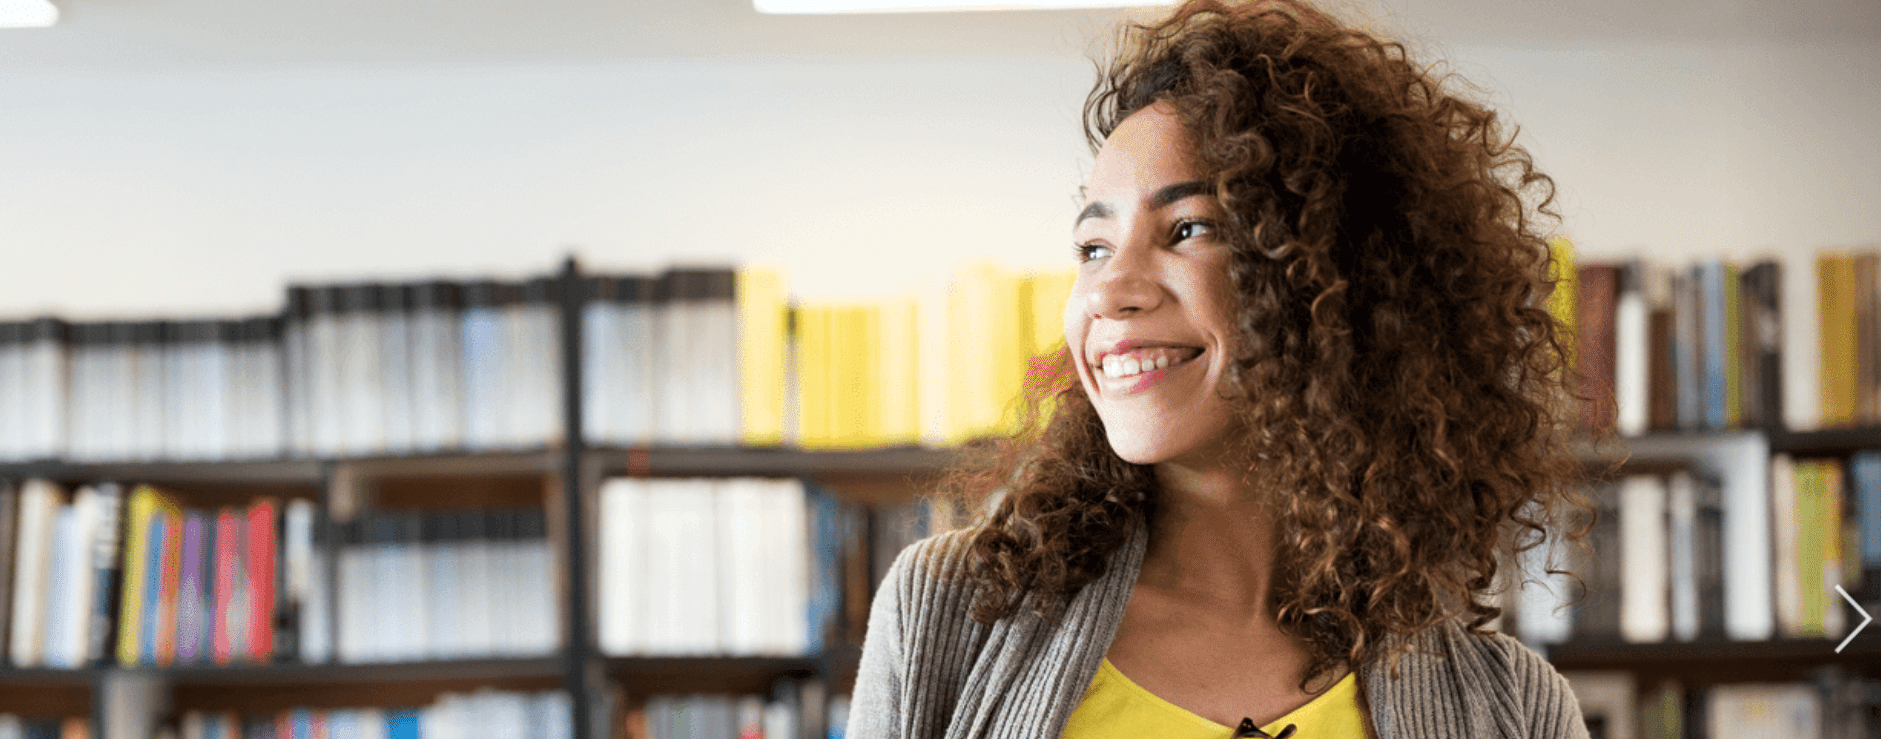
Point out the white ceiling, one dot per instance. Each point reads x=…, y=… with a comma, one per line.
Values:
x=235, y=35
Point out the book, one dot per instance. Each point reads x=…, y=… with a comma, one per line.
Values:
x=1594, y=343
x=1837, y=311
x=1643, y=559
x=1632, y=350
x=763, y=335
x=9, y=509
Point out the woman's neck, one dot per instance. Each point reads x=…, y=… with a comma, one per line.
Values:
x=1212, y=540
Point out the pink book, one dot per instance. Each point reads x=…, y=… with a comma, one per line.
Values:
x=260, y=537
x=228, y=545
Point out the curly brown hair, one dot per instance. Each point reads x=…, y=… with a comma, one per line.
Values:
x=1401, y=387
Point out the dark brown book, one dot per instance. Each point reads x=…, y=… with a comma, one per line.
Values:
x=1763, y=339
x=1594, y=347
x=1662, y=387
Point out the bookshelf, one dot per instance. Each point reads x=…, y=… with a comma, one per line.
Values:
x=563, y=478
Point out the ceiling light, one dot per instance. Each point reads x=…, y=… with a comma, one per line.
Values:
x=27, y=13
x=892, y=6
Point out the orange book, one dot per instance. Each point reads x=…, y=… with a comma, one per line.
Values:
x=171, y=582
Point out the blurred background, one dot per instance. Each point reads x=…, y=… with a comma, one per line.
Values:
x=415, y=368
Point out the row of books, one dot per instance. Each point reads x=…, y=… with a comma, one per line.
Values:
x=1689, y=349
x=691, y=356
x=445, y=585
x=1701, y=347
x=207, y=586
x=741, y=566
x=717, y=566
x=15, y=727
x=485, y=714
x=58, y=564
x=1833, y=705
x=732, y=717
x=1654, y=565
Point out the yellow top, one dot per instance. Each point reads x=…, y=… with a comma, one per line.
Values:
x=1116, y=708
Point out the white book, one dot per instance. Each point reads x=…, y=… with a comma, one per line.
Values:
x=1632, y=350
x=56, y=615
x=742, y=605
x=270, y=393
x=297, y=564
x=603, y=361
x=325, y=346
x=678, y=361
x=1785, y=531
x=76, y=589
x=296, y=364
x=395, y=387
x=116, y=386
x=437, y=369
x=353, y=630
x=150, y=371
x=475, y=587
x=178, y=394
x=797, y=547
x=1742, y=462
x=12, y=404
x=413, y=586
x=640, y=388
x=32, y=570
x=224, y=407
x=1645, y=561
x=1542, y=613
x=87, y=351
x=485, y=339
x=718, y=331
x=442, y=578
x=536, y=409
x=45, y=390
x=542, y=609
x=622, y=588
x=1682, y=524
x=362, y=396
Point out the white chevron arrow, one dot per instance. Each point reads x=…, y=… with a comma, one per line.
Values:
x=1865, y=618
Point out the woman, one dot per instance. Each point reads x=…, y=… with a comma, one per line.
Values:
x=1316, y=402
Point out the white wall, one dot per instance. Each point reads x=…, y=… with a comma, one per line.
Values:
x=188, y=192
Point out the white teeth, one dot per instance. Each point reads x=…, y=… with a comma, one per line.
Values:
x=1114, y=367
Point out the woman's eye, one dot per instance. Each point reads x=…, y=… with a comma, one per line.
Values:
x=1088, y=252
x=1191, y=229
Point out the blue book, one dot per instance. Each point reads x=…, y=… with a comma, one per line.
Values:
x=825, y=566
x=1864, y=474
x=403, y=725
x=153, y=590
x=1711, y=299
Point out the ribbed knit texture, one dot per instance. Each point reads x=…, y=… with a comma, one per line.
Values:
x=930, y=672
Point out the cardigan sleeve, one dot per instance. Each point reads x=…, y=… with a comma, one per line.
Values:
x=877, y=703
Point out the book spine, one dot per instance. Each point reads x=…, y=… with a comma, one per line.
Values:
x=105, y=569
x=228, y=561
x=260, y=539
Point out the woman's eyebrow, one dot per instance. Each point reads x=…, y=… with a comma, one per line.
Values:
x=1158, y=200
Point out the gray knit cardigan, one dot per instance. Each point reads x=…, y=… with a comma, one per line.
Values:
x=929, y=671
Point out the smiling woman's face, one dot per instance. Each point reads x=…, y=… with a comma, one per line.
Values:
x=1150, y=322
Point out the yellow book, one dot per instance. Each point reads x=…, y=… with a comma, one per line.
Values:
x=1835, y=304
x=897, y=373
x=1733, y=348
x=855, y=403
x=934, y=366
x=763, y=322
x=145, y=503
x=986, y=351
x=812, y=377
x=1046, y=294
x=1564, y=302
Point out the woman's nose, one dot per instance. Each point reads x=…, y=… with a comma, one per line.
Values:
x=1124, y=286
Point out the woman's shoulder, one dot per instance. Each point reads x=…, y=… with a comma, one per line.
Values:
x=938, y=561
x=1488, y=674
